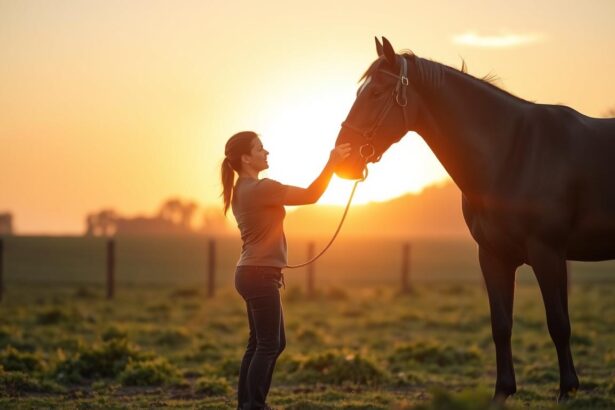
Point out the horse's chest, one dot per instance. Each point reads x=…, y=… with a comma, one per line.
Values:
x=501, y=232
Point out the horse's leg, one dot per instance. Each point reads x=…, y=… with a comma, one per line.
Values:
x=500, y=281
x=552, y=275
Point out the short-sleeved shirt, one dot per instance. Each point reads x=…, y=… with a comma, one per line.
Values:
x=258, y=207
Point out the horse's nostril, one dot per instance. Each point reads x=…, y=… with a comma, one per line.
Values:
x=349, y=170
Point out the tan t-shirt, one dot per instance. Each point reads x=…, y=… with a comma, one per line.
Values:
x=258, y=208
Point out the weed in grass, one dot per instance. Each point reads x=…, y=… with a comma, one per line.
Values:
x=112, y=333
x=309, y=336
x=8, y=336
x=18, y=383
x=433, y=352
x=229, y=368
x=84, y=292
x=206, y=351
x=13, y=360
x=174, y=337
x=337, y=368
x=466, y=400
x=538, y=373
x=52, y=316
x=106, y=360
x=213, y=386
x=154, y=372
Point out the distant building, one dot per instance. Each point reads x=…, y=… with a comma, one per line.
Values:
x=6, y=223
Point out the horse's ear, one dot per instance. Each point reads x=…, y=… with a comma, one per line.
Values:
x=389, y=53
x=378, y=47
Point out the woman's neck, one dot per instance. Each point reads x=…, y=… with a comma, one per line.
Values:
x=248, y=173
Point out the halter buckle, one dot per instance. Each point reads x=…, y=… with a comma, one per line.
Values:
x=366, y=157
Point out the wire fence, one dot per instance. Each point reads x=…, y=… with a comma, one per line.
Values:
x=209, y=262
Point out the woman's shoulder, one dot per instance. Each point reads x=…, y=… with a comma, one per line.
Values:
x=265, y=191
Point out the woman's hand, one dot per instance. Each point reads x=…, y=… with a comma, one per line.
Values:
x=339, y=153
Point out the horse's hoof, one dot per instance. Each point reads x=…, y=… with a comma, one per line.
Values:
x=500, y=397
x=566, y=396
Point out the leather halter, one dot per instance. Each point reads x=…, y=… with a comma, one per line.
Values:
x=398, y=95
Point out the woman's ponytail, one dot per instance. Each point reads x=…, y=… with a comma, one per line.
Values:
x=238, y=145
x=228, y=180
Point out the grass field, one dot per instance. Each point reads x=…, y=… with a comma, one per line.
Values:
x=357, y=345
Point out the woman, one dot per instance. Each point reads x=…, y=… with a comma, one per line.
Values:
x=258, y=207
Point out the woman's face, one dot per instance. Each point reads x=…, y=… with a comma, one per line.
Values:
x=257, y=159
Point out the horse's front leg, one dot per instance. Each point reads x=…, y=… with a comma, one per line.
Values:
x=500, y=281
x=552, y=275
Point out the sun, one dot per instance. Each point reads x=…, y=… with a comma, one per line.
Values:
x=299, y=126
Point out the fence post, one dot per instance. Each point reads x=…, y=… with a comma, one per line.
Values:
x=110, y=268
x=1, y=268
x=211, y=275
x=405, y=268
x=310, y=270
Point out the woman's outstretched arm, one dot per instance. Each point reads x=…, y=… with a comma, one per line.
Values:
x=311, y=194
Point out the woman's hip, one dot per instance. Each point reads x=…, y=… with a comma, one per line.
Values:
x=256, y=281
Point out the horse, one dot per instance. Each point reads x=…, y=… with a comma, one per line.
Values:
x=536, y=182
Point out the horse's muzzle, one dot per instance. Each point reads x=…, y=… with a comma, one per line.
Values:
x=351, y=168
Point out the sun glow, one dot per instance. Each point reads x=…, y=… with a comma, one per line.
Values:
x=299, y=129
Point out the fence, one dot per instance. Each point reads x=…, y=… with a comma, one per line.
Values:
x=208, y=263
x=212, y=266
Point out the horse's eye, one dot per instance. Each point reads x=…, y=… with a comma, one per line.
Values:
x=377, y=93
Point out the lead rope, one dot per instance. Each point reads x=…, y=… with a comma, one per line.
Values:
x=338, y=227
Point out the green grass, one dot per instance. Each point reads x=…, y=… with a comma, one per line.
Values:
x=351, y=347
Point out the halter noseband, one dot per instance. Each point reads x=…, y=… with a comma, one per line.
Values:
x=398, y=95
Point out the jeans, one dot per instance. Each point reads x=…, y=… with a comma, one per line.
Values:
x=259, y=287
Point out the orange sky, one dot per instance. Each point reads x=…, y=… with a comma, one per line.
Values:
x=123, y=104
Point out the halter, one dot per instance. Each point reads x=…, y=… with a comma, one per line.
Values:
x=398, y=95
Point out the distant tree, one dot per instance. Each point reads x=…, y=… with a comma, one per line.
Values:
x=187, y=213
x=174, y=217
x=101, y=223
x=171, y=210
x=107, y=219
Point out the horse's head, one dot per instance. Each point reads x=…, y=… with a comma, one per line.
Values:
x=384, y=110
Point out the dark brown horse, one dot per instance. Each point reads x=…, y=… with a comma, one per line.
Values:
x=537, y=181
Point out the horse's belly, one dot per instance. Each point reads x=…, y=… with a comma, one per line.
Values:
x=596, y=244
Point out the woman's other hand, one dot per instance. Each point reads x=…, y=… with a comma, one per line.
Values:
x=339, y=153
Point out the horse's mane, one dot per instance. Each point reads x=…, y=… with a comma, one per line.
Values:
x=433, y=72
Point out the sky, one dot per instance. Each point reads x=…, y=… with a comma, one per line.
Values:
x=123, y=104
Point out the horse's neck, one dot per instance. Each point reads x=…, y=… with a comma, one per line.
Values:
x=469, y=125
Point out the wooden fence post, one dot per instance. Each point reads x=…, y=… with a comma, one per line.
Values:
x=405, y=268
x=1, y=268
x=110, y=268
x=211, y=274
x=310, y=270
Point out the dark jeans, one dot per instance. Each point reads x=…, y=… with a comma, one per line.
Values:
x=259, y=287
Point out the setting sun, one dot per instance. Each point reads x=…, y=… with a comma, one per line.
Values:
x=299, y=130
